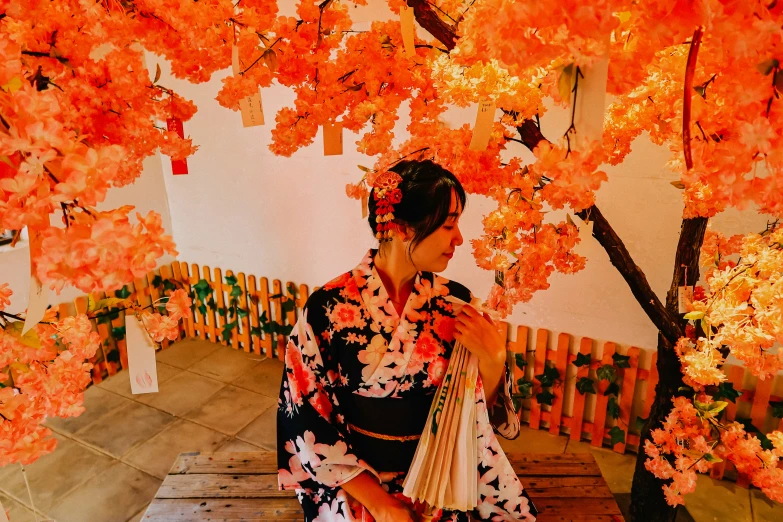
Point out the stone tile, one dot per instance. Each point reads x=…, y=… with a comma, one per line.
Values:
x=264, y=378
x=122, y=429
x=226, y=364
x=263, y=431
x=719, y=500
x=182, y=393
x=97, y=403
x=138, y=517
x=230, y=409
x=157, y=455
x=533, y=441
x=19, y=513
x=617, y=469
x=120, y=383
x=237, y=445
x=186, y=353
x=765, y=509
x=54, y=475
x=113, y=496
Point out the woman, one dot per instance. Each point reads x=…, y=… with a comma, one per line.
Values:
x=367, y=355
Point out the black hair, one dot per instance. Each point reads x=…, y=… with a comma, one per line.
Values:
x=426, y=198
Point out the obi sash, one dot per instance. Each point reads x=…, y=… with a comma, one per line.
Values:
x=384, y=432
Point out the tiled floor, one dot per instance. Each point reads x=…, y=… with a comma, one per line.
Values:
x=111, y=460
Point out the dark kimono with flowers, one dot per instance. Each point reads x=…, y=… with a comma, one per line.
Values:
x=350, y=347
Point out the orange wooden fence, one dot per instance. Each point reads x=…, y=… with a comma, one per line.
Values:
x=570, y=409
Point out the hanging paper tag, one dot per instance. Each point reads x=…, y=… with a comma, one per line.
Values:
x=684, y=299
x=406, y=26
x=585, y=237
x=365, y=205
x=483, y=128
x=177, y=166
x=142, y=367
x=250, y=107
x=333, y=139
x=38, y=298
x=3, y=516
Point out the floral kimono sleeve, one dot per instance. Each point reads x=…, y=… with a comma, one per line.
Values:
x=502, y=415
x=312, y=449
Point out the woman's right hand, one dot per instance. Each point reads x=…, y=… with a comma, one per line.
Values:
x=389, y=509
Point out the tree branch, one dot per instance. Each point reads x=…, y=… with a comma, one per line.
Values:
x=431, y=22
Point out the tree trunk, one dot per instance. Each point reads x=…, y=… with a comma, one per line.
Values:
x=647, y=501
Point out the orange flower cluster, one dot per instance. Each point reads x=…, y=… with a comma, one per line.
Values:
x=693, y=439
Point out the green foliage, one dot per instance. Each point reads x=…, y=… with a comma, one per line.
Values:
x=548, y=378
x=777, y=409
x=525, y=388
x=582, y=359
x=726, y=391
x=617, y=435
x=613, y=389
x=621, y=361
x=545, y=397
x=519, y=360
x=585, y=385
x=612, y=408
x=607, y=372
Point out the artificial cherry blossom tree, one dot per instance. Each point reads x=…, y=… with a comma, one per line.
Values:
x=80, y=113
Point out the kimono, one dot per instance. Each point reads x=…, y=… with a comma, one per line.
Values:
x=356, y=374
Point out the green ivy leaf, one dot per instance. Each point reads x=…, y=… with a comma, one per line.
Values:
x=519, y=360
x=162, y=309
x=235, y=291
x=202, y=289
x=525, y=388
x=287, y=329
x=157, y=281
x=256, y=331
x=585, y=385
x=288, y=306
x=613, y=389
x=212, y=304
x=242, y=313
x=617, y=435
x=515, y=400
x=612, y=408
x=122, y=293
x=640, y=422
x=545, y=397
x=582, y=359
x=169, y=286
x=726, y=391
x=292, y=290
x=118, y=332
x=777, y=409
x=548, y=378
x=203, y=309
x=607, y=372
x=231, y=280
x=701, y=90
x=621, y=361
x=227, y=330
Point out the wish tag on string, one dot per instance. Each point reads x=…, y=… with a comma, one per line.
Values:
x=684, y=299
x=365, y=205
x=177, y=166
x=142, y=367
x=407, y=29
x=333, y=139
x=485, y=117
x=38, y=299
x=250, y=107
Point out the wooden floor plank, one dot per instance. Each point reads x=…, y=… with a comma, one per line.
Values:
x=221, y=486
x=567, y=487
x=584, y=507
x=255, y=462
x=233, y=510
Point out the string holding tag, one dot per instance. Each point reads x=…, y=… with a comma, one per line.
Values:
x=684, y=294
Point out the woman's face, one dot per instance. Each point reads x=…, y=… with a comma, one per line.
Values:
x=436, y=250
